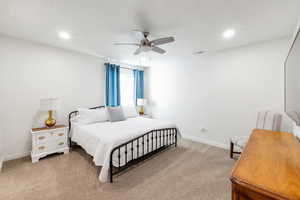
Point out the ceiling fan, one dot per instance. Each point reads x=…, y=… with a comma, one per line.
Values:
x=146, y=45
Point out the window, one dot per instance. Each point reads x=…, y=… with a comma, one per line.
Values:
x=126, y=87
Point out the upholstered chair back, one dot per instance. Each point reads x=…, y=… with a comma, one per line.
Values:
x=268, y=120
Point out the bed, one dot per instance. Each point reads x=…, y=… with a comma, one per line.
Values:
x=116, y=146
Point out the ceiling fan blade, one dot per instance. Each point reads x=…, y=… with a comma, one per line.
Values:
x=134, y=44
x=162, y=40
x=158, y=50
x=138, y=51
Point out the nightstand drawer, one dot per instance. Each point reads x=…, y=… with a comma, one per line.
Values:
x=51, y=146
x=47, y=137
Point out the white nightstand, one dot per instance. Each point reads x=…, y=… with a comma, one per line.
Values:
x=46, y=141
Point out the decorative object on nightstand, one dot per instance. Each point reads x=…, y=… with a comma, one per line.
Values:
x=141, y=103
x=49, y=105
x=47, y=141
x=146, y=116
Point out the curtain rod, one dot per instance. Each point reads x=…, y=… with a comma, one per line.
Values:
x=120, y=63
x=126, y=68
x=131, y=68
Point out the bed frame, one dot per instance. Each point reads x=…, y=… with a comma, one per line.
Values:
x=152, y=143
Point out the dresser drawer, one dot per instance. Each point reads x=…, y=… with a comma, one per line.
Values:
x=50, y=136
x=41, y=148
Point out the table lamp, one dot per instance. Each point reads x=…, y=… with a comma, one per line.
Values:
x=49, y=105
x=141, y=102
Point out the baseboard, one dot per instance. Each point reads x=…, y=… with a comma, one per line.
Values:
x=16, y=156
x=206, y=141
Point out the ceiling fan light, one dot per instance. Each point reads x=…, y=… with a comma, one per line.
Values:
x=146, y=48
x=145, y=60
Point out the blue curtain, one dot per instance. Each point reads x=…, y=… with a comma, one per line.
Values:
x=138, y=84
x=112, y=84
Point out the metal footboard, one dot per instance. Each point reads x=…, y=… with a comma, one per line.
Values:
x=140, y=148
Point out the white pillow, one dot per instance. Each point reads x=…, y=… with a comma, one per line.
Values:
x=88, y=116
x=130, y=111
x=115, y=114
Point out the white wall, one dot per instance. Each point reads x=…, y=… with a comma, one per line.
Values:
x=29, y=72
x=220, y=93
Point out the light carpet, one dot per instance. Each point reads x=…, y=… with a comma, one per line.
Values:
x=191, y=171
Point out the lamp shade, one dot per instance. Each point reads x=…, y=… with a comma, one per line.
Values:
x=141, y=102
x=49, y=104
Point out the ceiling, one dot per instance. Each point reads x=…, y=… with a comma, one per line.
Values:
x=197, y=25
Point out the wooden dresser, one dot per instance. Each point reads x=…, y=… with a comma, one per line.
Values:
x=269, y=168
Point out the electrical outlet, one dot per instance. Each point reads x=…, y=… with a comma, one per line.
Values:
x=204, y=130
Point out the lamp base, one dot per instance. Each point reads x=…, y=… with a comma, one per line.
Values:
x=141, y=111
x=50, y=122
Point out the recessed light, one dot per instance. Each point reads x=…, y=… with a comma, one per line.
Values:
x=229, y=33
x=64, y=35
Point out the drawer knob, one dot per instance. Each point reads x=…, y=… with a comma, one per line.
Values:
x=41, y=137
x=61, y=143
x=60, y=134
x=41, y=147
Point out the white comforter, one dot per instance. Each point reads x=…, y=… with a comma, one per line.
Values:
x=99, y=139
